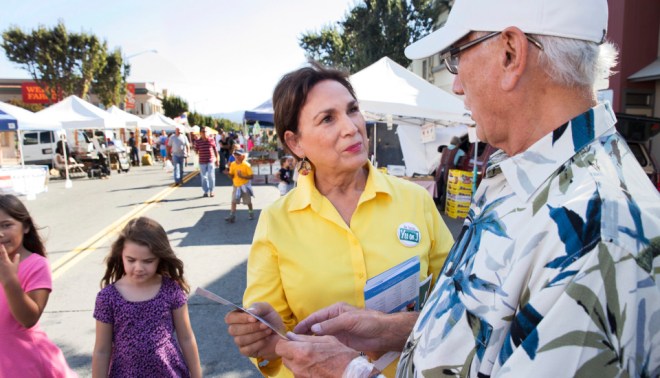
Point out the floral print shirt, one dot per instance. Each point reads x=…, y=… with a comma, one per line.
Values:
x=556, y=270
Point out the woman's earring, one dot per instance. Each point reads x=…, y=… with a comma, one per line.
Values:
x=304, y=166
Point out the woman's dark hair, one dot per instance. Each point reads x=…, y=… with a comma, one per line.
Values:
x=11, y=205
x=291, y=93
x=149, y=233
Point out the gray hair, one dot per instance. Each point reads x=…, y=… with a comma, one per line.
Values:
x=574, y=62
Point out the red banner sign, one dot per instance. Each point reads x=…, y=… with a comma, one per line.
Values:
x=34, y=94
x=130, y=96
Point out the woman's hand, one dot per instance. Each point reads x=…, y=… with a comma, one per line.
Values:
x=363, y=330
x=253, y=338
x=8, y=267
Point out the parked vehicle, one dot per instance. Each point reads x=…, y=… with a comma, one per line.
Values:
x=39, y=147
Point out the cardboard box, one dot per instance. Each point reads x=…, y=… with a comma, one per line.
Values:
x=459, y=199
x=457, y=176
x=459, y=189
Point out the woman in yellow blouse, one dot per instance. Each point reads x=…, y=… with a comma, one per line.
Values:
x=343, y=224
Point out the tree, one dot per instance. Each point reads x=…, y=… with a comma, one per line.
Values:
x=371, y=30
x=110, y=82
x=61, y=63
x=174, y=106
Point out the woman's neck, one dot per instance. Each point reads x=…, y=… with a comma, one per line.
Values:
x=343, y=184
x=343, y=191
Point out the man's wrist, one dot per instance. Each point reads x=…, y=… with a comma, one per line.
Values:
x=360, y=367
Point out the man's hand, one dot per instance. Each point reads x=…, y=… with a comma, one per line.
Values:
x=315, y=356
x=363, y=330
x=253, y=338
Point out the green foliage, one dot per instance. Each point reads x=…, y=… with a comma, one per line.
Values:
x=227, y=125
x=371, y=30
x=21, y=104
x=62, y=63
x=174, y=106
x=110, y=82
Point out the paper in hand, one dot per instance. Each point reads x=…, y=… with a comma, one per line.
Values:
x=216, y=298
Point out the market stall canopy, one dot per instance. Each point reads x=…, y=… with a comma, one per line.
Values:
x=262, y=113
x=130, y=120
x=159, y=122
x=76, y=113
x=385, y=87
x=25, y=119
x=7, y=122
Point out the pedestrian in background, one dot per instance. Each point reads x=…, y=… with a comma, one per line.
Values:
x=141, y=306
x=285, y=175
x=162, y=144
x=240, y=173
x=218, y=146
x=178, y=145
x=208, y=160
x=25, y=285
x=133, y=144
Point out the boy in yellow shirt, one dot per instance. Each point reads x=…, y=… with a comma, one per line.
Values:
x=241, y=174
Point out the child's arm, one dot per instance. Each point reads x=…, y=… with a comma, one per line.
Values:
x=102, y=350
x=26, y=308
x=186, y=337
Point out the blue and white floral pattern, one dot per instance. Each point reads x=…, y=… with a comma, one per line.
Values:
x=556, y=270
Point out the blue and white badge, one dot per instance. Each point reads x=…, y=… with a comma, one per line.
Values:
x=409, y=234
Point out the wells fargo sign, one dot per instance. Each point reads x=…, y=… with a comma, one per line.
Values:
x=34, y=94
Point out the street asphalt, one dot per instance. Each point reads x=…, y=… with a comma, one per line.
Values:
x=80, y=223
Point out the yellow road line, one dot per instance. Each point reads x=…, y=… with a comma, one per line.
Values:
x=83, y=250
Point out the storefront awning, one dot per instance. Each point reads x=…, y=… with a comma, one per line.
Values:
x=648, y=73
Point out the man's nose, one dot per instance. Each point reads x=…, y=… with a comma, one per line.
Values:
x=457, y=86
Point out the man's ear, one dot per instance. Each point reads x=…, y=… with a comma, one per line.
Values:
x=293, y=143
x=514, y=59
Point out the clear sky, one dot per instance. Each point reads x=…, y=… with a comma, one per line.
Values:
x=219, y=55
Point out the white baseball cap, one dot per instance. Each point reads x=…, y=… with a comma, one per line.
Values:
x=577, y=19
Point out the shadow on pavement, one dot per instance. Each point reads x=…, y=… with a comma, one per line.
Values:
x=213, y=223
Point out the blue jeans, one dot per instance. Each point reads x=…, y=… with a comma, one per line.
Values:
x=207, y=171
x=177, y=161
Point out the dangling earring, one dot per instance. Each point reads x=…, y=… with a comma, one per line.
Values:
x=304, y=166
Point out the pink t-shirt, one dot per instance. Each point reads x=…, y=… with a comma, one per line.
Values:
x=28, y=352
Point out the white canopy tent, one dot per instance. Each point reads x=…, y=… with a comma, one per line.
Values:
x=28, y=121
x=158, y=122
x=76, y=113
x=390, y=93
x=130, y=120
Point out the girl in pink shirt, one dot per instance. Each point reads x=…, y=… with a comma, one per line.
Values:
x=25, y=284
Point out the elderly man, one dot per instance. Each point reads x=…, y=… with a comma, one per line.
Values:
x=556, y=270
x=178, y=146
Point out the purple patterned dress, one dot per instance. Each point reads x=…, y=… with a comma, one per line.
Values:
x=143, y=341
